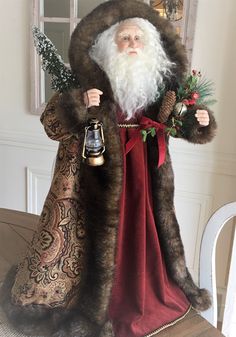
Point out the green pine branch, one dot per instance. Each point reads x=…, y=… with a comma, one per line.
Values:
x=61, y=77
x=195, y=84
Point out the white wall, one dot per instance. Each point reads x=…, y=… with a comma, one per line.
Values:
x=205, y=175
x=215, y=53
x=15, y=66
x=23, y=143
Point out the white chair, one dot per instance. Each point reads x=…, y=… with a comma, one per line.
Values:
x=207, y=270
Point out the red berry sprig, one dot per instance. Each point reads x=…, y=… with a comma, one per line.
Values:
x=192, y=100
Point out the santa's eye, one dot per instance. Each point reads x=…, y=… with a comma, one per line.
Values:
x=125, y=38
x=137, y=38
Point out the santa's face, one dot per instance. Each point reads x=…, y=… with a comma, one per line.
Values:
x=129, y=39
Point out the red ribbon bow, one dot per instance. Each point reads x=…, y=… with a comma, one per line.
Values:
x=147, y=123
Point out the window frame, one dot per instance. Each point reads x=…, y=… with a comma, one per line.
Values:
x=37, y=73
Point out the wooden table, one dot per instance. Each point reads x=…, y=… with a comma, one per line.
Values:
x=193, y=325
x=16, y=231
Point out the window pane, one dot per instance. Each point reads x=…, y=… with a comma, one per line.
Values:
x=178, y=30
x=57, y=8
x=59, y=34
x=48, y=87
x=85, y=7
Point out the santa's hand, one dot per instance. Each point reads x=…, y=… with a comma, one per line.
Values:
x=202, y=117
x=92, y=97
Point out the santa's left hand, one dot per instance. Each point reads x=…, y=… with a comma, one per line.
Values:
x=202, y=117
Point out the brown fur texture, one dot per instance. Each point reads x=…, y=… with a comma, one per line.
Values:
x=64, y=120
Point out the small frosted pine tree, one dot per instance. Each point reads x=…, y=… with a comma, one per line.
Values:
x=61, y=76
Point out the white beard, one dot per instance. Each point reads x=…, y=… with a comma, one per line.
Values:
x=136, y=80
x=133, y=82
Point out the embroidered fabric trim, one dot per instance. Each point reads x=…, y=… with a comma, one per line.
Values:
x=128, y=125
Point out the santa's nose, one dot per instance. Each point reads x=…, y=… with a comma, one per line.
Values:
x=132, y=43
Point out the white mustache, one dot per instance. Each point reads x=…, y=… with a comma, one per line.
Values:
x=132, y=50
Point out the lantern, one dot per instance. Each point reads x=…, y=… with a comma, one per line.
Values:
x=94, y=145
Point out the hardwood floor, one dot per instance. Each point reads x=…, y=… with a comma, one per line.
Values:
x=16, y=231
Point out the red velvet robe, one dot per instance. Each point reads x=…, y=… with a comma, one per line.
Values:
x=143, y=298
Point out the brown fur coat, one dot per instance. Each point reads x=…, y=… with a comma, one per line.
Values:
x=63, y=286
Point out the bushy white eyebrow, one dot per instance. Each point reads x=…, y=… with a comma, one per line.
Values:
x=126, y=32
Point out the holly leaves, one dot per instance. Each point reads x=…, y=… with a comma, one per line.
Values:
x=146, y=132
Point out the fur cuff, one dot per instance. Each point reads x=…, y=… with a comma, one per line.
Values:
x=195, y=133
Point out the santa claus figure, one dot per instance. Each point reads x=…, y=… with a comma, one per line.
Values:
x=107, y=258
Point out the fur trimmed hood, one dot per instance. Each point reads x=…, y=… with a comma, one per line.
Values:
x=102, y=18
